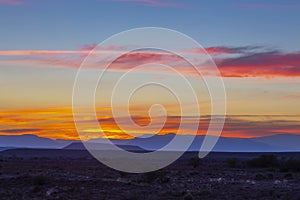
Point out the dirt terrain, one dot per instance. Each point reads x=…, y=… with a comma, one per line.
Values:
x=70, y=174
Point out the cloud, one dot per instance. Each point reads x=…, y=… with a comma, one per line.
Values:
x=83, y=50
x=241, y=61
x=138, y=58
x=153, y=3
x=96, y=47
x=39, y=52
x=292, y=96
x=244, y=61
x=226, y=50
x=19, y=130
x=11, y=2
x=73, y=59
x=58, y=123
x=265, y=64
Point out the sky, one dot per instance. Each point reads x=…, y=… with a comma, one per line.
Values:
x=255, y=45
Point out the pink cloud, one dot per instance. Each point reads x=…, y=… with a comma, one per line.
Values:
x=225, y=50
x=265, y=64
x=38, y=52
x=83, y=50
x=245, y=61
x=293, y=96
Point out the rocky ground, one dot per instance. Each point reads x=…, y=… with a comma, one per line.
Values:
x=76, y=175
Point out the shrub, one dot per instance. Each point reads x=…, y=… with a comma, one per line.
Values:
x=232, y=162
x=195, y=162
x=270, y=176
x=288, y=176
x=270, y=161
x=39, y=180
x=264, y=161
x=156, y=176
x=259, y=177
x=188, y=197
x=291, y=165
x=205, y=190
x=123, y=174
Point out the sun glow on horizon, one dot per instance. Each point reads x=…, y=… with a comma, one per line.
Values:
x=59, y=124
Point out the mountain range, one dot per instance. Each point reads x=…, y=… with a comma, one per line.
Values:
x=31, y=141
x=274, y=143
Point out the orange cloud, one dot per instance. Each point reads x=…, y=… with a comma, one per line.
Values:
x=58, y=124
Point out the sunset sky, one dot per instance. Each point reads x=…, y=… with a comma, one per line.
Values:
x=255, y=45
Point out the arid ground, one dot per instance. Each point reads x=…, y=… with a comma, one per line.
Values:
x=74, y=174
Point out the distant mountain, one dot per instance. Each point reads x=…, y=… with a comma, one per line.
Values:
x=31, y=141
x=247, y=145
x=100, y=146
x=5, y=148
x=275, y=143
x=282, y=140
x=224, y=144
